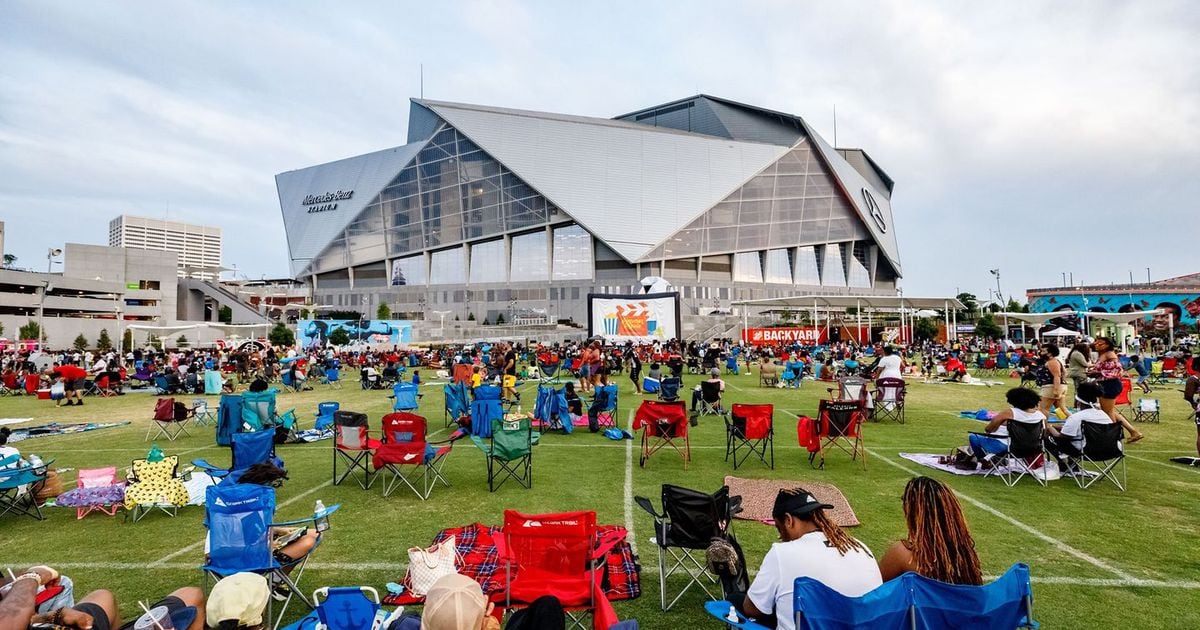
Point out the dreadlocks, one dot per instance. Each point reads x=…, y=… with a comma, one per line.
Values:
x=941, y=545
x=794, y=501
x=834, y=534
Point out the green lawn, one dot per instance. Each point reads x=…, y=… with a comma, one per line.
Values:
x=1100, y=558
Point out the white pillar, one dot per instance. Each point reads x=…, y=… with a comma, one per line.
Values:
x=955, y=320
x=946, y=316
x=858, y=325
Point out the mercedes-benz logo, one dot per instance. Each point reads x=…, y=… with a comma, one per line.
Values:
x=874, y=211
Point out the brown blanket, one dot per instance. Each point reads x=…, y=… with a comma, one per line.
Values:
x=758, y=497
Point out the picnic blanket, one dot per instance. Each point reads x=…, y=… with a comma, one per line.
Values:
x=60, y=429
x=479, y=559
x=931, y=460
x=758, y=498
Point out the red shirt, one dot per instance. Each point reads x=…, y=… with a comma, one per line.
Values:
x=71, y=372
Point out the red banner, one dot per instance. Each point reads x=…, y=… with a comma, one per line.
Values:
x=785, y=336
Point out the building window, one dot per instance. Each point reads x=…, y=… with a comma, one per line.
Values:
x=572, y=253
x=860, y=268
x=409, y=271
x=530, y=258
x=747, y=267
x=487, y=262
x=779, y=266
x=808, y=272
x=833, y=270
x=448, y=267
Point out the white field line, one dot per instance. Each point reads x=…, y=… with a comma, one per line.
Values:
x=1163, y=464
x=192, y=547
x=629, y=487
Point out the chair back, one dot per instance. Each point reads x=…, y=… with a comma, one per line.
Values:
x=238, y=518
x=1148, y=405
x=1024, y=438
x=512, y=439
x=1102, y=441
x=252, y=448
x=347, y=608
x=405, y=395
x=164, y=410
x=852, y=388
x=97, y=477
x=890, y=389
x=199, y=405
x=752, y=422
x=258, y=409
x=325, y=412
x=1002, y=361
x=488, y=392
x=404, y=439
x=462, y=373
x=1126, y=388
x=693, y=517
x=483, y=412
x=668, y=389
x=229, y=418
x=155, y=472
x=456, y=399
x=605, y=399
x=349, y=430
x=662, y=418
x=840, y=418
x=554, y=549
x=710, y=392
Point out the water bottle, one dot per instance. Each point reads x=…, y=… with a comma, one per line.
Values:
x=732, y=615
x=35, y=461
x=320, y=517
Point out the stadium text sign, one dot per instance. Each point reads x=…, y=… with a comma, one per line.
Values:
x=326, y=201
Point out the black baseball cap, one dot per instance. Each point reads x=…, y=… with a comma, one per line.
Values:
x=797, y=502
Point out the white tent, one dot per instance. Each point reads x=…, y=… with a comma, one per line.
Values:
x=1062, y=332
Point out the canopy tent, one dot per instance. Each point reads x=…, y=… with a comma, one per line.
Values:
x=1062, y=332
x=1132, y=316
x=162, y=331
x=906, y=307
x=234, y=328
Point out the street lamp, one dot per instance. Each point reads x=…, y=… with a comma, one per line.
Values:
x=51, y=254
x=999, y=296
x=442, y=322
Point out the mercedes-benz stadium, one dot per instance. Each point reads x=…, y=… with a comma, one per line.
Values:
x=488, y=211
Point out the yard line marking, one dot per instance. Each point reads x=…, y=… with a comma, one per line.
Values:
x=1018, y=524
x=629, y=488
x=192, y=547
x=1163, y=464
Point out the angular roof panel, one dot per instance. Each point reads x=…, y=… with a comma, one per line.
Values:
x=311, y=226
x=629, y=184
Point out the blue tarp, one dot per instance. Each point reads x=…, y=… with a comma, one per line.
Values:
x=551, y=408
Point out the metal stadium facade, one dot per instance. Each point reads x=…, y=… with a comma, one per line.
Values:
x=491, y=211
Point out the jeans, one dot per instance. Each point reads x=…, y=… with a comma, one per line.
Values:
x=982, y=445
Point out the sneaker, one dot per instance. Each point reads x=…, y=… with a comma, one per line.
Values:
x=280, y=592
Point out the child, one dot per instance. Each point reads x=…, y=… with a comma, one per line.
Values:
x=476, y=377
x=1143, y=373
x=416, y=379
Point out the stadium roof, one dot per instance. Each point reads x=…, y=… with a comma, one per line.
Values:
x=879, y=302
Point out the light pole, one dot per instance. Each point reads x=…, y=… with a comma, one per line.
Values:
x=441, y=323
x=51, y=254
x=46, y=287
x=999, y=296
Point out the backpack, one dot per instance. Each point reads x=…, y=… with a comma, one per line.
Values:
x=180, y=411
x=806, y=433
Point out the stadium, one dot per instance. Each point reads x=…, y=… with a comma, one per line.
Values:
x=487, y=211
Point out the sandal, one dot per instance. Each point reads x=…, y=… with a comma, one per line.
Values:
x=1135, y=438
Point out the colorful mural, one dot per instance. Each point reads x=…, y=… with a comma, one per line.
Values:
x=315, y=332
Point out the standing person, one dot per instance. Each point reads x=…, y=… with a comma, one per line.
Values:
x=74, y=382
x=1079, y=363
x=597, y=363
x=890, y=365
x=1191, y=393
x=813, y=546
x=509, y=377
x=1143, y=373
x=1108, y=372
x=585, y=368
x=939, y=545
x=635, y=369
x=1048, y=374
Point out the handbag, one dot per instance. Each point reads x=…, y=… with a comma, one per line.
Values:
x=425, y=566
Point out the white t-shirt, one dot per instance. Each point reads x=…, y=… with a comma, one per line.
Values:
x=889, y=366
x=852, y=575
x=1028, y=417
x=1073, y=426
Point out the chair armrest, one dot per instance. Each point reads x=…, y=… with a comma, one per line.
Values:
x=209, y=469
x=645, y=504
x=718, y=609
x=735, y=505
x=310, y=518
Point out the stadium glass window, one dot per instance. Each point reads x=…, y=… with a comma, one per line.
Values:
x=747, y=267
x=860, y=267
x=409, y=271
x=530, y=259
x=807, y=270
x=778, y=266
x=572, y=253
x=833, y=269
x=487, y=262
x=448, y=267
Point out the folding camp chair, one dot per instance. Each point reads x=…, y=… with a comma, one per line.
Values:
x=602, y=413
x=839, y=425
x=96, y=490
x=852, y=388
x=170, y=419
x=341, y=608
x=486, y=407
x=246, y=450
x=154, y=485
x=213, y=383
x=889, y=400
x=405, y=443
x=229, y=418
x=457, y=402
x=509, y=451
x=404, y=397
x=201, y=414
x=1025, y=451
x=99, y=386
x=19, y=483
x=751, y=429
x=668, y=389
x=352, y=445
x=1123, y=398
x=333, y=378
x=1146, y=410
x=1158, y=372
x=162, y=386
x=910, y=601
x=731, y=365
x=554, y=554
x=239, y=518
x=663, y=424
x=1102, y=454
x=689, y=522
x=793, y=374
x=710, y=400
x=551, y=409
x=325, y=411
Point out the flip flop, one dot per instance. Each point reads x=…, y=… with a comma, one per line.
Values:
x=1135, y=438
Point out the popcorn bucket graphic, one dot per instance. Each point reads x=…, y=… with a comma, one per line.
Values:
x=610, y=323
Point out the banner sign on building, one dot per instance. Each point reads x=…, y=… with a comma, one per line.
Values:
x=805, y=336
x=649, y=317
x=315, y=332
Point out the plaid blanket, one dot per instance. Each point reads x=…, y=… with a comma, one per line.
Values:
x=479, y=559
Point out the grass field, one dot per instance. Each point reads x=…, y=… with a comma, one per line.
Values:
x=1100, y=557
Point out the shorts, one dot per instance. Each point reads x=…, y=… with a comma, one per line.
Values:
x=1142, y=378
x=72, y=384
x=510, y=381
x=584, y=370
x=100, y=620
x=1053, y=392
x=1110, y=388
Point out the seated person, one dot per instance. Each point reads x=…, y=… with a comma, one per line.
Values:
x=574, y=402
x=370, y=376
x=1023, y=407
x=391, y=374
x=655, y=372
x=714, y=377
x=813, y=546
x=454, y=602
x=1066, y=444
x=939, y=545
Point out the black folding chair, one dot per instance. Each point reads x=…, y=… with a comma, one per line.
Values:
x=683, y=533
x=839, y=425
x=1102, y=454
x=668, y=389
x=710, y=399
x=1025, y=449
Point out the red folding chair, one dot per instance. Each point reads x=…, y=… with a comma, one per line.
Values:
x=1123, y=397
x=32, y=381
x=462, y=373
x=405, y=444
x=750, y=429
x=839, y=425
x=557, y=554
x=663, y=423
x=170, y=420
x=352, y=446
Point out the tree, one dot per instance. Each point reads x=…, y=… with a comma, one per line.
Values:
x=283, y=336
x=1, y=329
x=1014, y=306
x=383, y=312
x=470, y=317
x=924, y=328
x=354, y=315
x=182, y=342
x=970, y=305
x=339, y=337
x=499, y=319
x=103, y=343
x=10, y=260
x=127, y=341
x=80, y=342
x=225, y=315
x=30, y=330
x=987, y=328
x=305, y=313
x=153, y=341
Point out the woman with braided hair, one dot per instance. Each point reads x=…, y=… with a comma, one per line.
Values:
x=939, y=545
x=811, y=545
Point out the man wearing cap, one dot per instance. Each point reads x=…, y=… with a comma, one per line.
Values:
x=238, y=601
x=812, y=546
x=714, y=377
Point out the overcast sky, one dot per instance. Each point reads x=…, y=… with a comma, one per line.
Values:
x=1033, y=137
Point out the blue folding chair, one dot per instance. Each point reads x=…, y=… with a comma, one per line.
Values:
x=668, y=389
x=457, y=402
x=404, y=397
x=486, y=407
x=333, y=378
x=602, y=413
x=239, y=518
x=908, y=602
x=229, y=418
x=247, y=449
x=258, y=409
x=325, y=413
x=161, y=385
x=551, y=409
x=19, y=484
x=286, y=379
x=731, y=365
x=343, y=608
